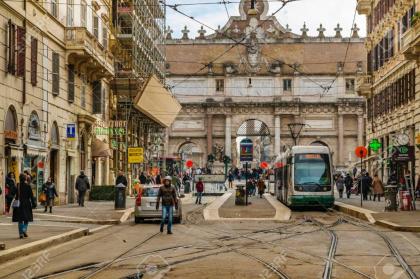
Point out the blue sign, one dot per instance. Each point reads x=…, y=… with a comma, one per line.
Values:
x=71, y=131
x=246, y=150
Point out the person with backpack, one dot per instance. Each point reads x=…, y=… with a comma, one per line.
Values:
x=50, y=193
x=10, y=190
x=82, y=185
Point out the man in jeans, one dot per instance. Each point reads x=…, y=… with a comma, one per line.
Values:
x=199, y=187
x=167, y=193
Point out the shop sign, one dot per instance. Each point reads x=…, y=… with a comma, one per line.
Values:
x=246, y=148
x=375, y=145
x=403, y=153
x=107, y=131
x=111, y=128
x=135, y=155
x=71, y=131
x=12, y=135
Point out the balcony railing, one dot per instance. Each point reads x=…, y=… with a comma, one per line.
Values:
x=410, y=42
x=364, y=85
x=364, y=6
x=82, y=46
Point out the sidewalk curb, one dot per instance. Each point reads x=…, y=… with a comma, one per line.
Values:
x=366, y=215
x=360, y=213
x=88, y=222
x=40, y=244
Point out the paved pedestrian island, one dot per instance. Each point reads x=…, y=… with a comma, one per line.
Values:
x=374, y=212
x=257, y=208
x=265, y=209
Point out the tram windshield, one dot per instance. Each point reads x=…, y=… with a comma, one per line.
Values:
x=312, y=169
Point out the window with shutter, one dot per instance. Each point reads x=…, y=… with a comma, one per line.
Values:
x=54, y=8
x=105, y=37
x=55, y=73
x=70, y=12
x=21, y=51
x=11, y=48
x=34, y=61
x=83, y=92
x=97, y=97
x=96, y=26
x=103, y=101
x=70, y=84
x=83, y=13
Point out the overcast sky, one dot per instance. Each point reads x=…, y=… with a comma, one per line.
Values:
x=313, y=12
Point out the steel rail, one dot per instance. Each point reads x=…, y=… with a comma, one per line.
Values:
x=392, y=247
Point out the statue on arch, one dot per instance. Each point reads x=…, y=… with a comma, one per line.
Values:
x=218, y=151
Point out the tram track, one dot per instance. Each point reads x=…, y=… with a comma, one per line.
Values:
x=392, y=247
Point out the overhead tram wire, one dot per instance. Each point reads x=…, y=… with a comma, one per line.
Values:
x=346, y=53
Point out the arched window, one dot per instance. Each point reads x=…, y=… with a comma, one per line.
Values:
x=319, y=143
x=11, y=125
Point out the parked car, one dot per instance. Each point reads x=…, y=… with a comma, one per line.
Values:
x=145, y=207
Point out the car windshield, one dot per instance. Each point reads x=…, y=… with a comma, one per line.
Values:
x=312, y=169
x=150, y=192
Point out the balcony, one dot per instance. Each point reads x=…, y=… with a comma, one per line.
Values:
x=364, y=85
x=88, y=54
x=410, y=43
x=364, y=7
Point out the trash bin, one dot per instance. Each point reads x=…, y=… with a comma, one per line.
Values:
x=391, y=198
x=120, y=196
x=240, y=195
x=187, y=187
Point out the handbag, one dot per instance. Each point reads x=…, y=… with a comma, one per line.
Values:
x=16, y=202
x=42, y=197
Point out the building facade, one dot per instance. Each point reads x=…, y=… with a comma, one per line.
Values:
x=254, y=77
x=54, y=89
x=391, y=85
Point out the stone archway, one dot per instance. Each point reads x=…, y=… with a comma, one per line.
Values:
x=319, y=143
x=259, y=133
x=191, y=151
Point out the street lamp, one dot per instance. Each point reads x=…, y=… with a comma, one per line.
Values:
x=295, y=130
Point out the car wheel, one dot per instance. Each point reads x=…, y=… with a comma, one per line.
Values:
x=138, y=220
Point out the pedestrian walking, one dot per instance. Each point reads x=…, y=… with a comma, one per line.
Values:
x=10, y=190
x=199, y=187
x=167, y=194
x=378, y=187
x=418, y=187
x=158, y=179
x=261, y=187
x=24, y=202
x=121, y=179
x=339, y=183
x=230, y=179
x=143, y=178
x=348, y=183
x=82, y=185
x=50, y=192
x=365, y=183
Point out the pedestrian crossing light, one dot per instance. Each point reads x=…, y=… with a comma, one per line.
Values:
x=375, y=145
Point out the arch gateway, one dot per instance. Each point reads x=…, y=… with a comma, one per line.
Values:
x=276, y=76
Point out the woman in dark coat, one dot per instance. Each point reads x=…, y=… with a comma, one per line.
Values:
x=50, y=193
x=23, y=213
x=10, y=190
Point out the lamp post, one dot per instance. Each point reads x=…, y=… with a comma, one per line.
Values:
x=295, y=130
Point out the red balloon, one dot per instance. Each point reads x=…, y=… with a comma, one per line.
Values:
x=264, y=165
x=189, y=164
x=361, y=151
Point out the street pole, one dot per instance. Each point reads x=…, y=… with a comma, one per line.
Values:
x=246, y=183
x=361, y=180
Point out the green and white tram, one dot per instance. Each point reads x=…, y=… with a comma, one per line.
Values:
x=303, y=177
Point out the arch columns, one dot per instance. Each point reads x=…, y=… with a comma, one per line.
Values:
x=277, y=134
x=228, y=136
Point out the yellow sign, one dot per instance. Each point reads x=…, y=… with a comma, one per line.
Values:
x=418, y=139
x=135, y=155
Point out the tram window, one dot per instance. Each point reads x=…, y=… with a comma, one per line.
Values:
x=312, y=169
